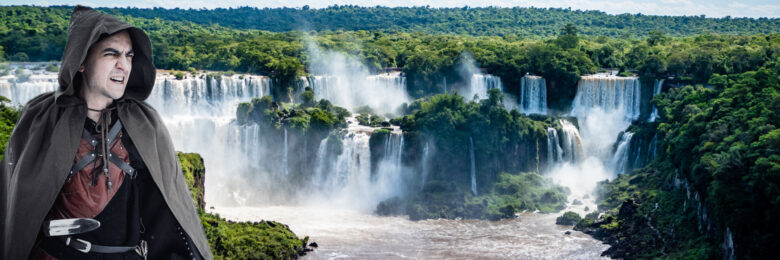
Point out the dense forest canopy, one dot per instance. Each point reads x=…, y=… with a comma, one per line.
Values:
x=488, y=21
x=428, y=59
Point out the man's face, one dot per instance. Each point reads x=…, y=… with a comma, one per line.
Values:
x=107, y=68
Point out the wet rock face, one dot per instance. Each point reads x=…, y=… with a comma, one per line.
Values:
x=194, y=171
x=242, y=240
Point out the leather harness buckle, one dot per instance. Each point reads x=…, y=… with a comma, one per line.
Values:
x=87, y=245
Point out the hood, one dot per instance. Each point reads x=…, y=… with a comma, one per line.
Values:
x=87, y=26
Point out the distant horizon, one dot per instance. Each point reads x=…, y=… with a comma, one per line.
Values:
x=710, y=9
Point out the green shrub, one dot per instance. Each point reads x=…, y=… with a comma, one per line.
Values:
x=568, y=219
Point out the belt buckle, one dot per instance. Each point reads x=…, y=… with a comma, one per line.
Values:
x=87, y=245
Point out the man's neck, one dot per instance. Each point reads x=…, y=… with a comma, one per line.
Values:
x=95, y=103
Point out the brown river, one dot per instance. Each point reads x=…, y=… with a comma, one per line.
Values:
x=346, y=234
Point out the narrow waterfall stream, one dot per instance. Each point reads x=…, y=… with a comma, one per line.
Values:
x=473, y=165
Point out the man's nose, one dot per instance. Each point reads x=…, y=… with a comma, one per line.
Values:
x=123, y=63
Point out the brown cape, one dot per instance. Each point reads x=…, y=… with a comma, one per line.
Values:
x=43, y=144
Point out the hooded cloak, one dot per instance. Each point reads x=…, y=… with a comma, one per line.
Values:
x=44, y=142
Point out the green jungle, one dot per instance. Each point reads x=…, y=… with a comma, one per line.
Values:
x=717, y=129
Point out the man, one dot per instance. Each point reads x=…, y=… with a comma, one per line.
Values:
x=94, y=151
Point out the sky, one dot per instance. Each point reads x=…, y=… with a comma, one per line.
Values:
x=710, y=8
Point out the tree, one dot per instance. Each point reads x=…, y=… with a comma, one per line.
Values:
x=308, y=97
x=655, y=37
x=568, y=38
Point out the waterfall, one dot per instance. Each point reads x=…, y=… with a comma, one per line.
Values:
x=480, y=84
x=425, y=160
x=347, y=82
x=571, y=148
x=21, y=88
x=657, y=87
x=205, y=96
x=444, y=81
x=609, y=93
x=383, y=92
x=244, y=162
x=285, y=159
x=654, y=146
x=533, y=95
x=346, y=179
x=321, y=164
x=728, y=245
x=353, y=165
x=249, y=138
x=473, y=167
x=604, y=106
x=554, y=150
x=199, y=112
x=620, y=159
x=390, y=170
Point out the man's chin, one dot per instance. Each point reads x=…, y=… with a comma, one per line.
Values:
x=115, y=96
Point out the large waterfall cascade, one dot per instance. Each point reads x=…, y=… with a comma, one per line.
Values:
x=32, y=81
x=382, y=92
x=348, y=180
x=206, y=96
x=609, y=93
x=199, y=112
x=533, y=95
x=604, y=107
x=479, y=84
x=345, y=81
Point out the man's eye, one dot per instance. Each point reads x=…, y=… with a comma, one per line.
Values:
x=130, y=55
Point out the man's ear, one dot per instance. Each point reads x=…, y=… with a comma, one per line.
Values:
x=81, y=68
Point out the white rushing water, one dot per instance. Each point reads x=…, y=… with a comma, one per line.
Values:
x=554, y=150
x=244, y=176
x=609, y=93
x=571, y=148
x=25, y=81
x=619, y=161
x=348, y=181
x=200, y=115
x=384, y=93
x=604, y=107
x=347, y=82
x=426, y=157
x=657, y=88
x=533, y=95
x=480, y=84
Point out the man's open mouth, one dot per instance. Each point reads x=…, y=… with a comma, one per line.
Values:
x=118, y=79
